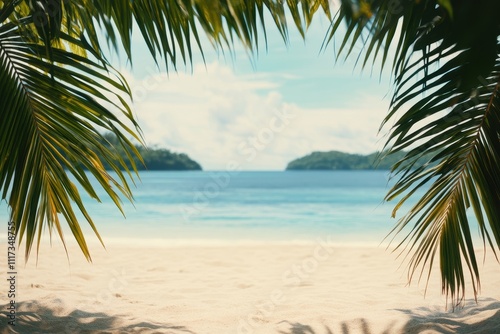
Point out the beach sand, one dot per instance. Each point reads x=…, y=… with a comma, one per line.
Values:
x=235, y=288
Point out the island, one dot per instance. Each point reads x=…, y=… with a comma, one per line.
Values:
x=336, y=160
x=154, y=158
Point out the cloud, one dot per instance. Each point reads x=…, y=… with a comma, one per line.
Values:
x=218, y=117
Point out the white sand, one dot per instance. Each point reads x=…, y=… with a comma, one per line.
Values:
x=292, y=289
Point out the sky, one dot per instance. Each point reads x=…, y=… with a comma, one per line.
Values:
x=261, y=111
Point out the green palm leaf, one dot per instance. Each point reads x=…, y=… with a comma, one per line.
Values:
x=170, y=28
x=51, y=113
x=446, y=106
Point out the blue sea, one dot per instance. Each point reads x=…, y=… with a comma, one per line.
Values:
x=347, y=206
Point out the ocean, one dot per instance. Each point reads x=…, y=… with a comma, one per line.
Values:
x=205, y=206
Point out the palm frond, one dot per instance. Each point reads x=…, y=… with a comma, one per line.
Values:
x=445, y=107
x=50, y=116
x=465, y=144
x=172, y=28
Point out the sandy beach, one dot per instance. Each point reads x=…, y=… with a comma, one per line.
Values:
x=243, y=288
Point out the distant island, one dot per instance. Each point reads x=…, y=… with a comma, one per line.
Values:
x=335, y=160
x=155, y=158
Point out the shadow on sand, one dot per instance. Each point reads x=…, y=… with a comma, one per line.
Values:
x=471, y=319
x=34, y=318
x=358, y=326
x=298, y=328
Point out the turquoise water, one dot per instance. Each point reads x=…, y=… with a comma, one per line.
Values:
x=269, y=206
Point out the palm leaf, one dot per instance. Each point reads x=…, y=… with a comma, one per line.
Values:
x=49, y=123
x=170, y=27
x=445, y=107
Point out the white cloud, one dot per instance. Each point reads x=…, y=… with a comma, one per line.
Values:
x=216, y=117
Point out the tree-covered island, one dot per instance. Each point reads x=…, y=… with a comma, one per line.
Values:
x=336, y=160
x=154, y=158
